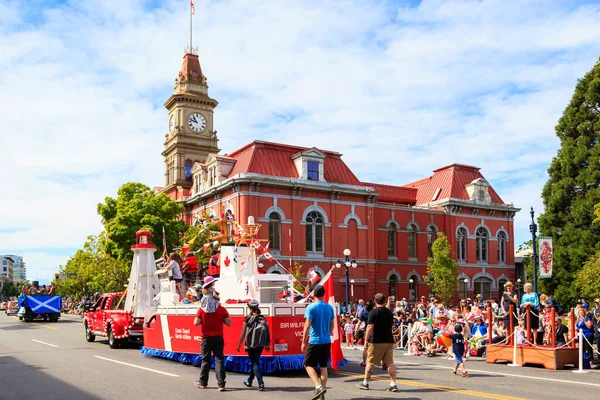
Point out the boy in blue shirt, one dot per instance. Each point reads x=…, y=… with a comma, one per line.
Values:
x=319, y=317
x=458, y=348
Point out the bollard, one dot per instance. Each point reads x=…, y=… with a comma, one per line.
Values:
x=581, y=370
x=401, y=336
x=514, y=363
x=408, y=344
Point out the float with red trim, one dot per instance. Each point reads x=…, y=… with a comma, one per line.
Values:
x=171, y=334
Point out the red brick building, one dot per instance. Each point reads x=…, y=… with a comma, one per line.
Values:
x=312, y=206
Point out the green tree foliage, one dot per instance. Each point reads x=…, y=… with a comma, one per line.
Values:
x=442, y=269
x=587, y=282
x=573, y=189
x=91, y=270
x=196, y=237
x=10, y=289
x=139, y=207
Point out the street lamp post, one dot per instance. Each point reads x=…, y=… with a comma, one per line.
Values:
x=533, y=230
x=466, y=281
x=347, y=262
x=352, y=291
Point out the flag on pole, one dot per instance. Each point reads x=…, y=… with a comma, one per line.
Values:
x=313, y=276
x=164, y=242
x=192, y=7
x=336, y=347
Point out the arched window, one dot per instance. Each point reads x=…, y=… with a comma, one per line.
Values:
x=461, y=244
x=314, y=232
x=481, y=245
x=483, y=286
x=393, y=284
x=501, y=247
x=431, y=236
x=412, y=241
x=188, y=167
x=275, y=231
x=412, y=289
x=392, y=235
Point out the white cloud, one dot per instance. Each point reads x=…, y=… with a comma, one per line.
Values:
x=82, y=87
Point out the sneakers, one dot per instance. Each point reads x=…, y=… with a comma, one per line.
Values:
x=392, y=388
x=221, y=388
x=363, y=365
x=261, y=387
x=362, y=386
x=247, y=384
x=320, y=391
x=454, y=372
x=464, y=374
x=200, y=385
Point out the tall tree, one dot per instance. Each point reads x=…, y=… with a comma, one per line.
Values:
x=573, y=188
x=139, y=207
x=587, y=281
x=442, y=269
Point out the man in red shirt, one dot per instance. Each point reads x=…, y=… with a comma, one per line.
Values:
x=212, y=342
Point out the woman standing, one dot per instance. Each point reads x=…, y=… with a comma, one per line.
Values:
x=510, y=296
x=530, y=300
x=256, y=332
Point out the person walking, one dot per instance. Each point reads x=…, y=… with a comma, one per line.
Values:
x=380, y=343
x=318, y=325
x=256, y=332
x=212, y=343
x=458, y=348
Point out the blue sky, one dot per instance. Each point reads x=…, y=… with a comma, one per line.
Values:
x=413, y=85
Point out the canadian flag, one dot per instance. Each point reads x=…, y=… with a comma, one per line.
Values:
x=336, y=346
x=313, y=276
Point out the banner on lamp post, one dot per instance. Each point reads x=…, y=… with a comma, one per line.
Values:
x=545, y=252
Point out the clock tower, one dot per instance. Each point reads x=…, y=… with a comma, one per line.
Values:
x=191, y=135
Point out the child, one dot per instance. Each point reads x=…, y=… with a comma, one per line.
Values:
x=349, y=329
x=210, y=297
x=520, y=331
x=458, y=346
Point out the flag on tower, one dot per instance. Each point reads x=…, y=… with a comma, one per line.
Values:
x=192, y=7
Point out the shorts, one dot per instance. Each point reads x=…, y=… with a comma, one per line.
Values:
x=379, y=352
x=458, y=359
x=317, y=355
x=176, y=280
x=190, y=276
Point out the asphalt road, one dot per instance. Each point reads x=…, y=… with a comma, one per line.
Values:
x=53, y=361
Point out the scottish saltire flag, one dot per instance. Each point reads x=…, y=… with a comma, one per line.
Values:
x=44, y=304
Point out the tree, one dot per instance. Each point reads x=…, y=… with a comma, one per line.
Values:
x=91, y=270
x=196, y=237
x=139, y=207
x=573, y=190
x=587, y=282
x=442, y=269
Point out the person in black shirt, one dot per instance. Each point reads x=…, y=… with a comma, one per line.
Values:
x=379, y=342
x=458, y=348
x=561, y=332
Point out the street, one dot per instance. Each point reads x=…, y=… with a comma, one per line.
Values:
x=53, y=361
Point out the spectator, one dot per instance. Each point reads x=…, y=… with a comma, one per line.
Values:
x=530, y=300
x=596, y=319
x=561, y=332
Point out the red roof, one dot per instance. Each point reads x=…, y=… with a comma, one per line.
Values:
x=451, y=181
x=394, y=194
x=190, y=69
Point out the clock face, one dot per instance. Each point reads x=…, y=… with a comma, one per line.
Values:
x=196, y=122
x=172, y=123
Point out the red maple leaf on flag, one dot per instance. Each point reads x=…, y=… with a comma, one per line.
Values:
x=227, y=261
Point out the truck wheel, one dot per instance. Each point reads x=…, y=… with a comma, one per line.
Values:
x=89, y=336
x=112, y=342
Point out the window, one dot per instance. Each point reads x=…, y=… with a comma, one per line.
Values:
x=212, y=173
x=412, y=241
x=481, y=244
x=4, y=262
x=502, y=248
x=312, y=170
x=431, y=236
x=4, y=268
x=393, y=283
x=483, y=286
x=461, y=244
x=501, y=284
x=462, y=288
x=412, y=289
x=188, y=167
x=314, y=232
x=275, y=231
x=392, y=235
x=117, y=304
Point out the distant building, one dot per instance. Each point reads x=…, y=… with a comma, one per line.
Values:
x=7, y=271
x=312, y=205
x=19, y=268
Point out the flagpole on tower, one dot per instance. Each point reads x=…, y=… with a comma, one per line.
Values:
x=191, y=13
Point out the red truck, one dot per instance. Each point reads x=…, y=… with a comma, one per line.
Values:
x=109, y=319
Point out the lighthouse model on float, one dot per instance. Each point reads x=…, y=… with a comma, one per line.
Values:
x=143, y=283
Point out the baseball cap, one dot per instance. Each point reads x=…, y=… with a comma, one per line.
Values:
x=457, y=328
x=585, y=305
x=319, y=291
x=253, y=304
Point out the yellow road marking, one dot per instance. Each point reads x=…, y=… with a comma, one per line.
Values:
x=35, y=323
x=435, y=387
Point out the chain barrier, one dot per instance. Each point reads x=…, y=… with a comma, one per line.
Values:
x=591, y=345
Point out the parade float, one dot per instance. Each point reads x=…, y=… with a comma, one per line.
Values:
x=171, y=334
